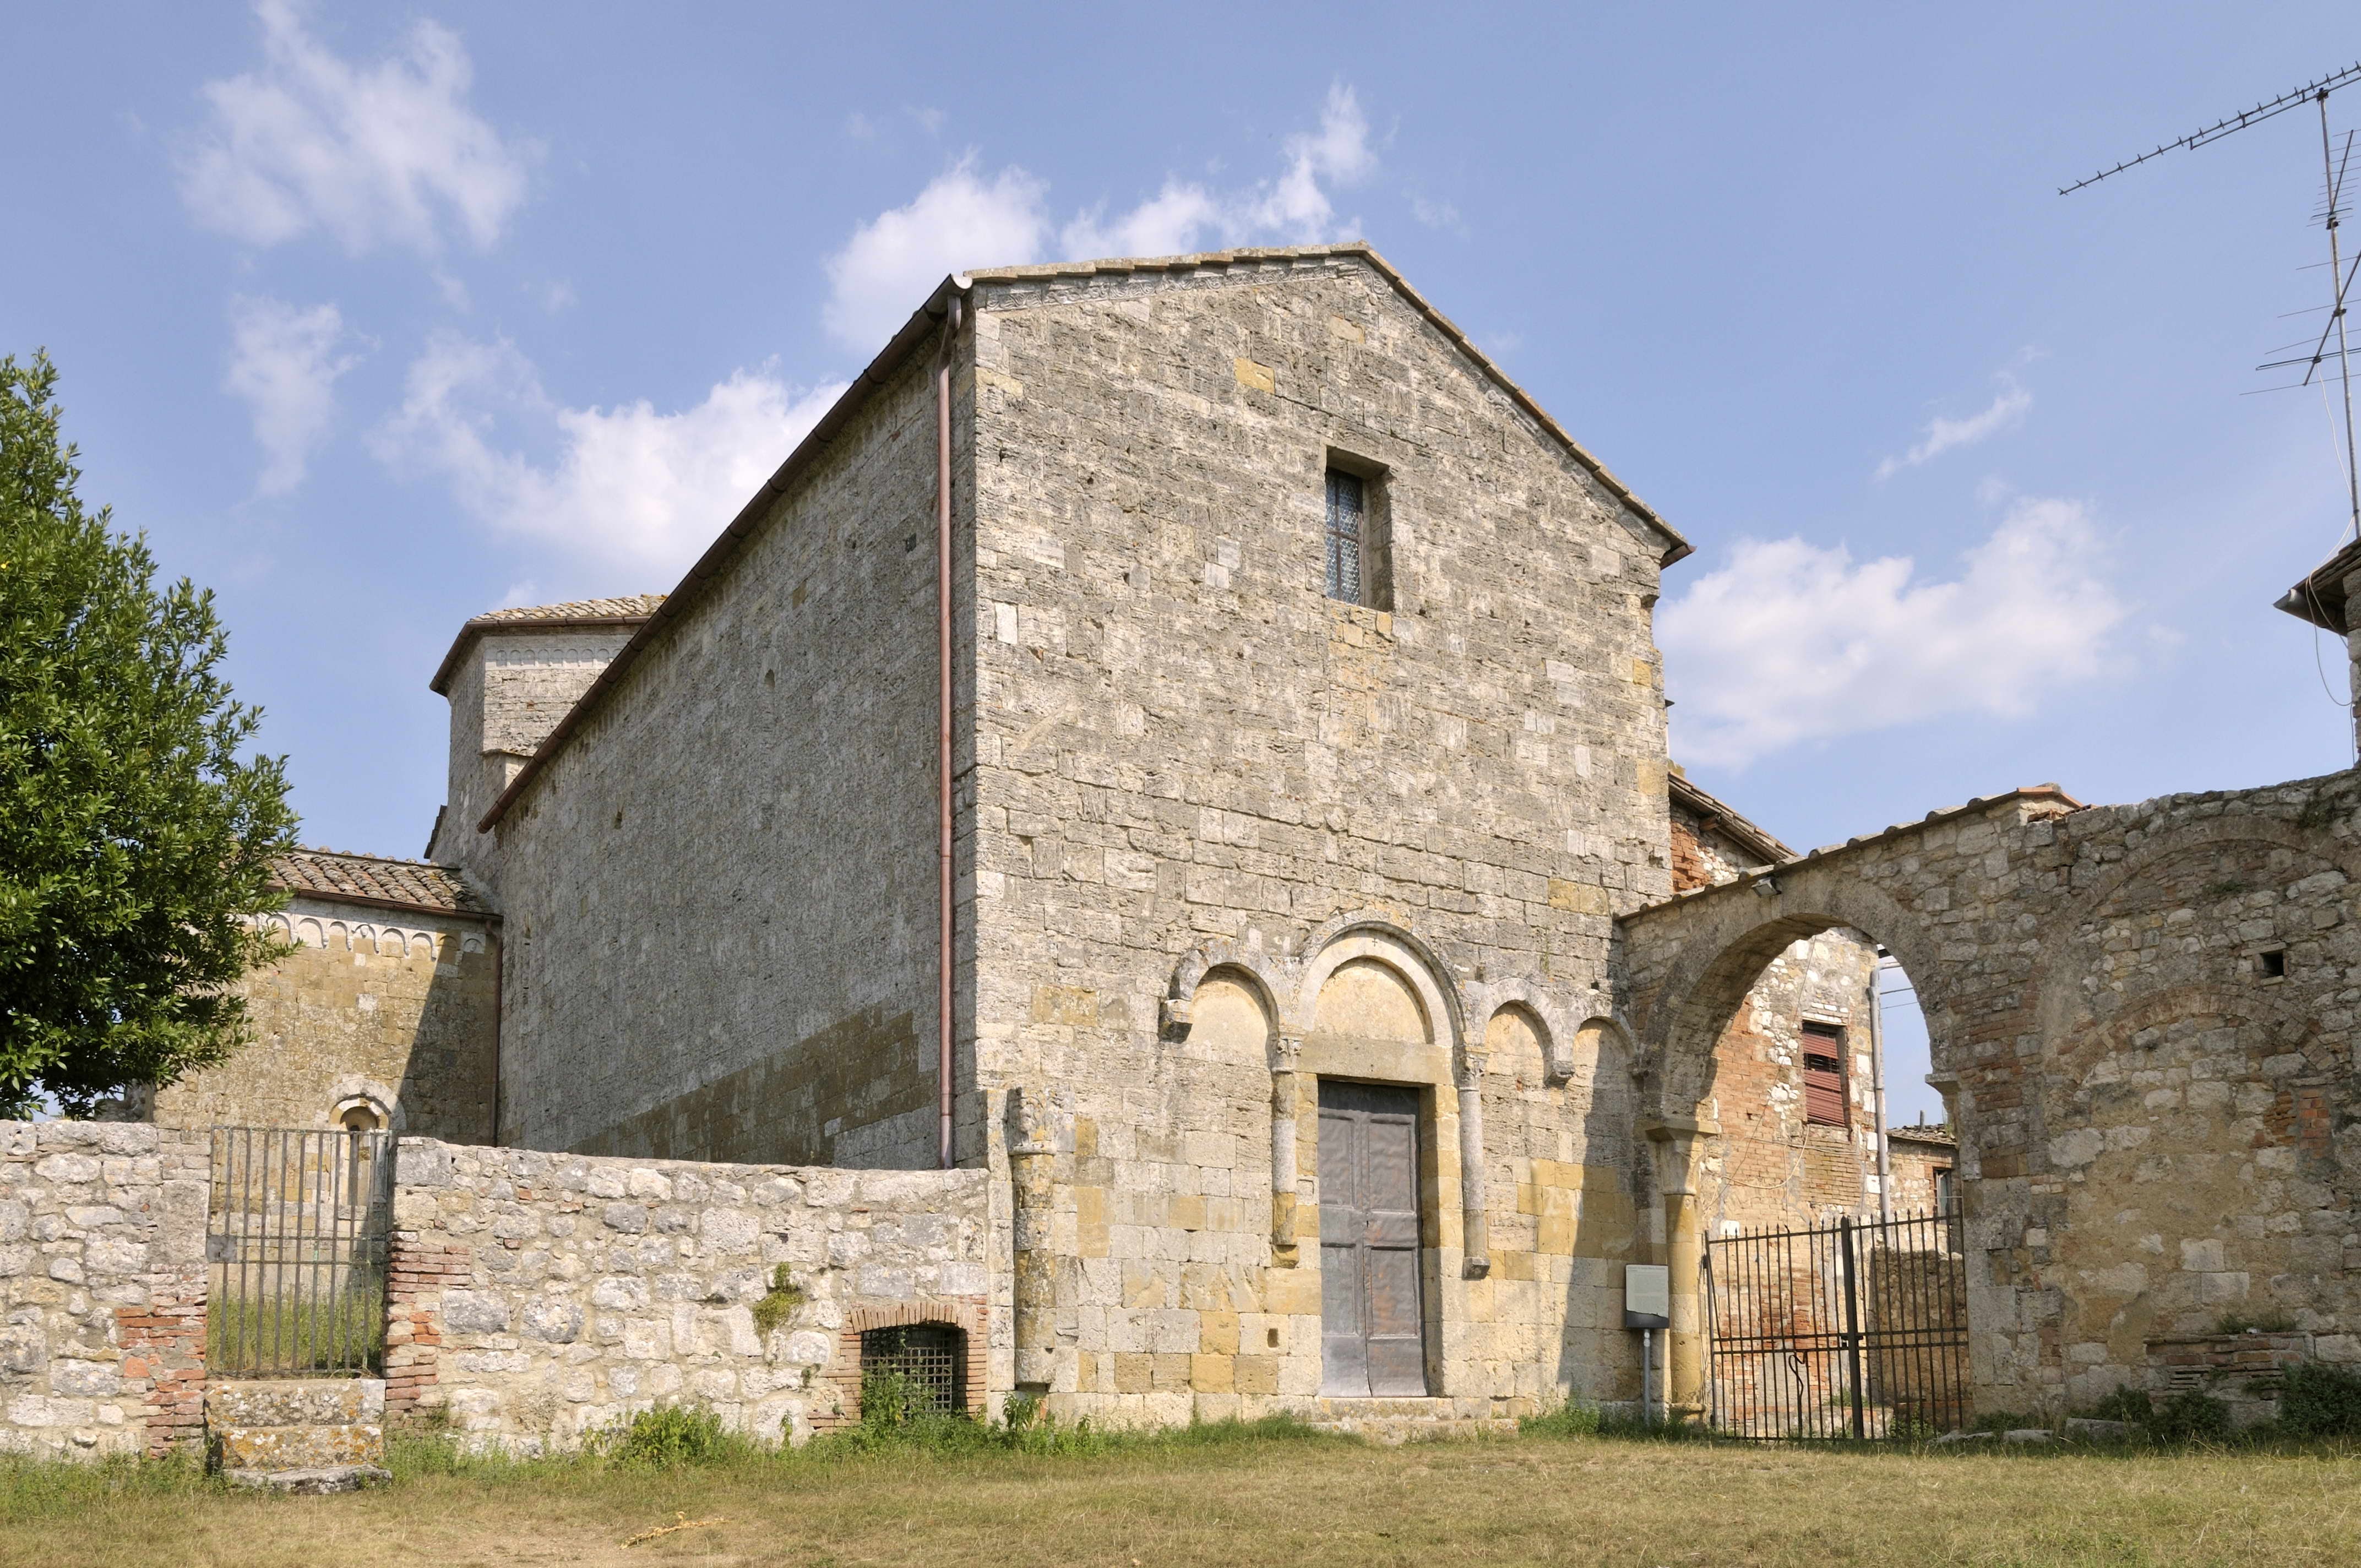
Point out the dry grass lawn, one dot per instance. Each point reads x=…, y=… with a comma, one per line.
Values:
x=1531, y=1499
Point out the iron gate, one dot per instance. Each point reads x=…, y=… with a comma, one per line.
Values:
x=296, y=1242
x=1858, y=1329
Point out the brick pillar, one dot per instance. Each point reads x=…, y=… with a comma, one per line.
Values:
x=416, y=1275
x=163, y=1346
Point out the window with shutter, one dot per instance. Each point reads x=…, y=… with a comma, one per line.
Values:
x=1823, y=1075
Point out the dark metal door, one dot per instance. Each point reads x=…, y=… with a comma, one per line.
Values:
x=1372, y=1331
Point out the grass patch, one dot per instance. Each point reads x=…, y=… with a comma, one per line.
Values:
x=343, y=1330
x=1226, y=1492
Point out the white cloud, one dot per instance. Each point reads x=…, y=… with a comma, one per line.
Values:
x=1940, y=435
x=963, y=220
x=1792, y=642
x=382, y=154
x=884, y=271
x=284, y=361
x=626, y=487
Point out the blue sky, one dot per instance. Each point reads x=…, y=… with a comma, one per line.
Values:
x=374, y=319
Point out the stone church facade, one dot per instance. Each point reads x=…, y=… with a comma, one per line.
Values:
x=1184, y=738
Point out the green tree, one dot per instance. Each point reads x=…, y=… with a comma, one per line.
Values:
x=133, y=842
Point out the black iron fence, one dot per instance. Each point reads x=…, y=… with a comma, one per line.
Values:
x=1858, y=1329
x=296, y=1239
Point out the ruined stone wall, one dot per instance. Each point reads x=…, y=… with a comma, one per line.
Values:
x=1772, y=1166
x=101, y=1288
x=400, y=1008
x=539, y=1299
x=1182, y=743
x=719, y=898
x=2143, y=1019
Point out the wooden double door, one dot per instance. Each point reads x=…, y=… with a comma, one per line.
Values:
x=1373, y=1339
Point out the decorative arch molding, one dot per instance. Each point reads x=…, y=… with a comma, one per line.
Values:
x=355, y=1088
x=1268, y=978
x=321, y=931
x=1367, y=934
x=1487, y=999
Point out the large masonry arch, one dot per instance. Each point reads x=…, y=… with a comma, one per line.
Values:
x=2135, y=1017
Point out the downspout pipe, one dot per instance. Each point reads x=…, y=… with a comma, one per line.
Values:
x=944, y=1150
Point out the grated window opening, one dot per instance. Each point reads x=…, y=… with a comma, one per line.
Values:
x=1347, y=505
x=924, y=1364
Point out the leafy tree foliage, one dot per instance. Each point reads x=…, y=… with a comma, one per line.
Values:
x=133, y=839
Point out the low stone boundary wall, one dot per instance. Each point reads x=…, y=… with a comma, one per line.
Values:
x=101, y=1288
x=538, y=1298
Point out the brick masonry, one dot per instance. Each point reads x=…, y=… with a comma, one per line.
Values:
x=103, y=1287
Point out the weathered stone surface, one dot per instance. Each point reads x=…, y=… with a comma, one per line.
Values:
x=318, y=1482
x=102, y=1287
x=2142, y=1018
x=531, y=1321
x=306, y=1447
x=295, y=1401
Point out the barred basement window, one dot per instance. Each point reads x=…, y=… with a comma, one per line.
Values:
x=1825, y=1102
x=918, y=1369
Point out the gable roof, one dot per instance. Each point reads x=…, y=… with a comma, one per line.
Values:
x=1124, y=266
x=379, y=881
x=1725, y=820
x=630, y=610
x=922, y=326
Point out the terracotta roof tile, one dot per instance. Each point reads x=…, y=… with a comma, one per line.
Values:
x=377, y=879
x=630, y=607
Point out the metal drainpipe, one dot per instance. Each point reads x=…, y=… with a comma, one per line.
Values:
x=943, y=1051
x=1877, y=1066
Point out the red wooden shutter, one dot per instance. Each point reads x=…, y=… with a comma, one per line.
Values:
x=1823, y=1075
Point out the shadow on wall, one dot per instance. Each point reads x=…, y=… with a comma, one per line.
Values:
x=1599, y=1212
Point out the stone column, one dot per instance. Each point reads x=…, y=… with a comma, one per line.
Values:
x=1031, y=1148
x=1284, y=1253
x=1676, y=1146
x=1474, y=1230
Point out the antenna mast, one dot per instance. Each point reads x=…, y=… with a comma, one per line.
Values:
x=2339, y=279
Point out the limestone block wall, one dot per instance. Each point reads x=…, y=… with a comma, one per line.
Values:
x=720, y=899
x=506, y=696
x=538, y=1298
x=2144, y=1016
x=397, y=1007
x=1180, y=743
x=101, y=1288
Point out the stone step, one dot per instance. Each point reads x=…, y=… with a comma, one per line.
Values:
x=295, y=1401
x=1397, y=1420
x=266, y=1448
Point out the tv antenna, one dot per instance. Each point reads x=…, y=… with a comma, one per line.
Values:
x=2340, y=277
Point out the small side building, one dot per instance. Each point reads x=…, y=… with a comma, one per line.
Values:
x=385, y=1015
